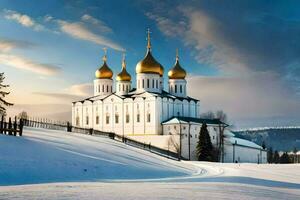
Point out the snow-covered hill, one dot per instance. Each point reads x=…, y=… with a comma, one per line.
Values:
x=75, y=166
x=44, y=156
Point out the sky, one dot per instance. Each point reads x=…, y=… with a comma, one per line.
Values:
x=242, y=57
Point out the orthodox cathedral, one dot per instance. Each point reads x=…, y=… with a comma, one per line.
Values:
x=118, y=107
x=166, y=118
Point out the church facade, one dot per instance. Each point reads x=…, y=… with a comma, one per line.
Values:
x=118, y=107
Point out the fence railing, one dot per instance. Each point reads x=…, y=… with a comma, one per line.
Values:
x=66, y=126
x=11, y=127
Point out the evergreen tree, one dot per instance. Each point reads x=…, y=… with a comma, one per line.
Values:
x=3, y=93
x=205, y=150
x=263, y=145
x=270, y=155
x=276, y=158
x=284, y=158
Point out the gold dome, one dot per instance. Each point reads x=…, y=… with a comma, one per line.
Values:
x=104, y=72
x=123, y=75
x=149, y=64
x=177, y=72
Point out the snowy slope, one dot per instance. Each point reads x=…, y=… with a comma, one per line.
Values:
x=43, y=156
x=75, y=166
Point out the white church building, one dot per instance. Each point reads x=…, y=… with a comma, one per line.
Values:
x=144, y=112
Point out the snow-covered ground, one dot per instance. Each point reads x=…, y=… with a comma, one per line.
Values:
x=48, y=164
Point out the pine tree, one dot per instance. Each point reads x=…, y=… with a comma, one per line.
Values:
x=270, y=155
x=276, y=158
x=284, y=158
x=3, y=93
x=205, y=151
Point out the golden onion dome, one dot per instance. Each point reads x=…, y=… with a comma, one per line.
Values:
x=123, y=75
x=177, y=72
x=149, y=64
x=104, y=72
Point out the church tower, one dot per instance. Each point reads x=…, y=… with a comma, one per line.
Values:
x=123, y=80
x=103, y=82
x=149, y=72
x=177, y=82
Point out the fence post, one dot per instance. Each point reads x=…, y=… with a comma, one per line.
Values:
x=1, y=124
x=21, y=127
x=69, y=127
x=9, y=127
x=15, y=126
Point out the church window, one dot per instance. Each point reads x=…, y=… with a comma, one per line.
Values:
x=153, y=83
x=148, y=117
x=107, y=88
x=77, y=121
x=107, y=119
x=87, y=120
x=117, y=118
x=139, y=84
x=123, y=88
x=183, y=127
x=110, y=88
x=97, y=119
x=157, y=84
x=148, y=83
x=180, y=88
x=127, y=88
x=174, y=127
x=102, y=88
x=127, y=118
x=98, y=88
x=175, y=88
x=138, y=117
x=171, y=89
x=143, y=83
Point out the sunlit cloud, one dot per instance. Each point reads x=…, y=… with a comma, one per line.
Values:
x=78, y=30
x=23, y=19
x=96, y=23
x=29, y=65
x=85, y=89
x=8, y=45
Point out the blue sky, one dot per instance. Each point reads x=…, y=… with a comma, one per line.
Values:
x=241, y=56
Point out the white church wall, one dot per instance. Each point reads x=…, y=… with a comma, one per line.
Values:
x=243, y=154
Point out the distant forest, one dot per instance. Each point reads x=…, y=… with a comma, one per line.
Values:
x=279, y=139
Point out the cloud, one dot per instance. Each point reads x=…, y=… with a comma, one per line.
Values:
x=261, y=96
x=23, y=19
x=67, y=98
x=29, y=65
x=79, y=30
x=7, y=45
x=100, y=25
x=85, y=89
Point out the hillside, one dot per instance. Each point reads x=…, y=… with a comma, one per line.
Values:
x=46, y=164
x=281, y=139
x=44, y=156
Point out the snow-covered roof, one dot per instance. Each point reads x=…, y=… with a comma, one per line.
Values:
x=242, y=142
x=184, y=120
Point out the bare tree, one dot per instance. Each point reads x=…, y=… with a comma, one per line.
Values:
x=222, y=116
x=23, y=115
x=173, y=144
x=208, y=115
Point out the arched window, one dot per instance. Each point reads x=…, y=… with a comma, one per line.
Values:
x=143, y=83
x=180, y=88
x=157, y=84
x=107, y=88
x=77, y=121
x=87, y=120
x=127, y=117
x=123, y=87
x=102, y=88
x=148, y=83
x=117, y=118
x=97, y=119
x=175, y=88
x=153, y=86
x=138, y=117
x=148, y=117
x=110, y=88
x=107, y=118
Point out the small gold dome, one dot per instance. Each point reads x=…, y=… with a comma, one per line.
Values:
x=177, y=72
x=149, y=65
x=104, y=72
x=123, y=75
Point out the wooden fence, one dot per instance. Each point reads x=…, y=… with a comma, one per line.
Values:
x=11, y=127
x=66, y=126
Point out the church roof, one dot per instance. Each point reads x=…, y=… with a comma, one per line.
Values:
x=193, y=120
x=133, y=94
